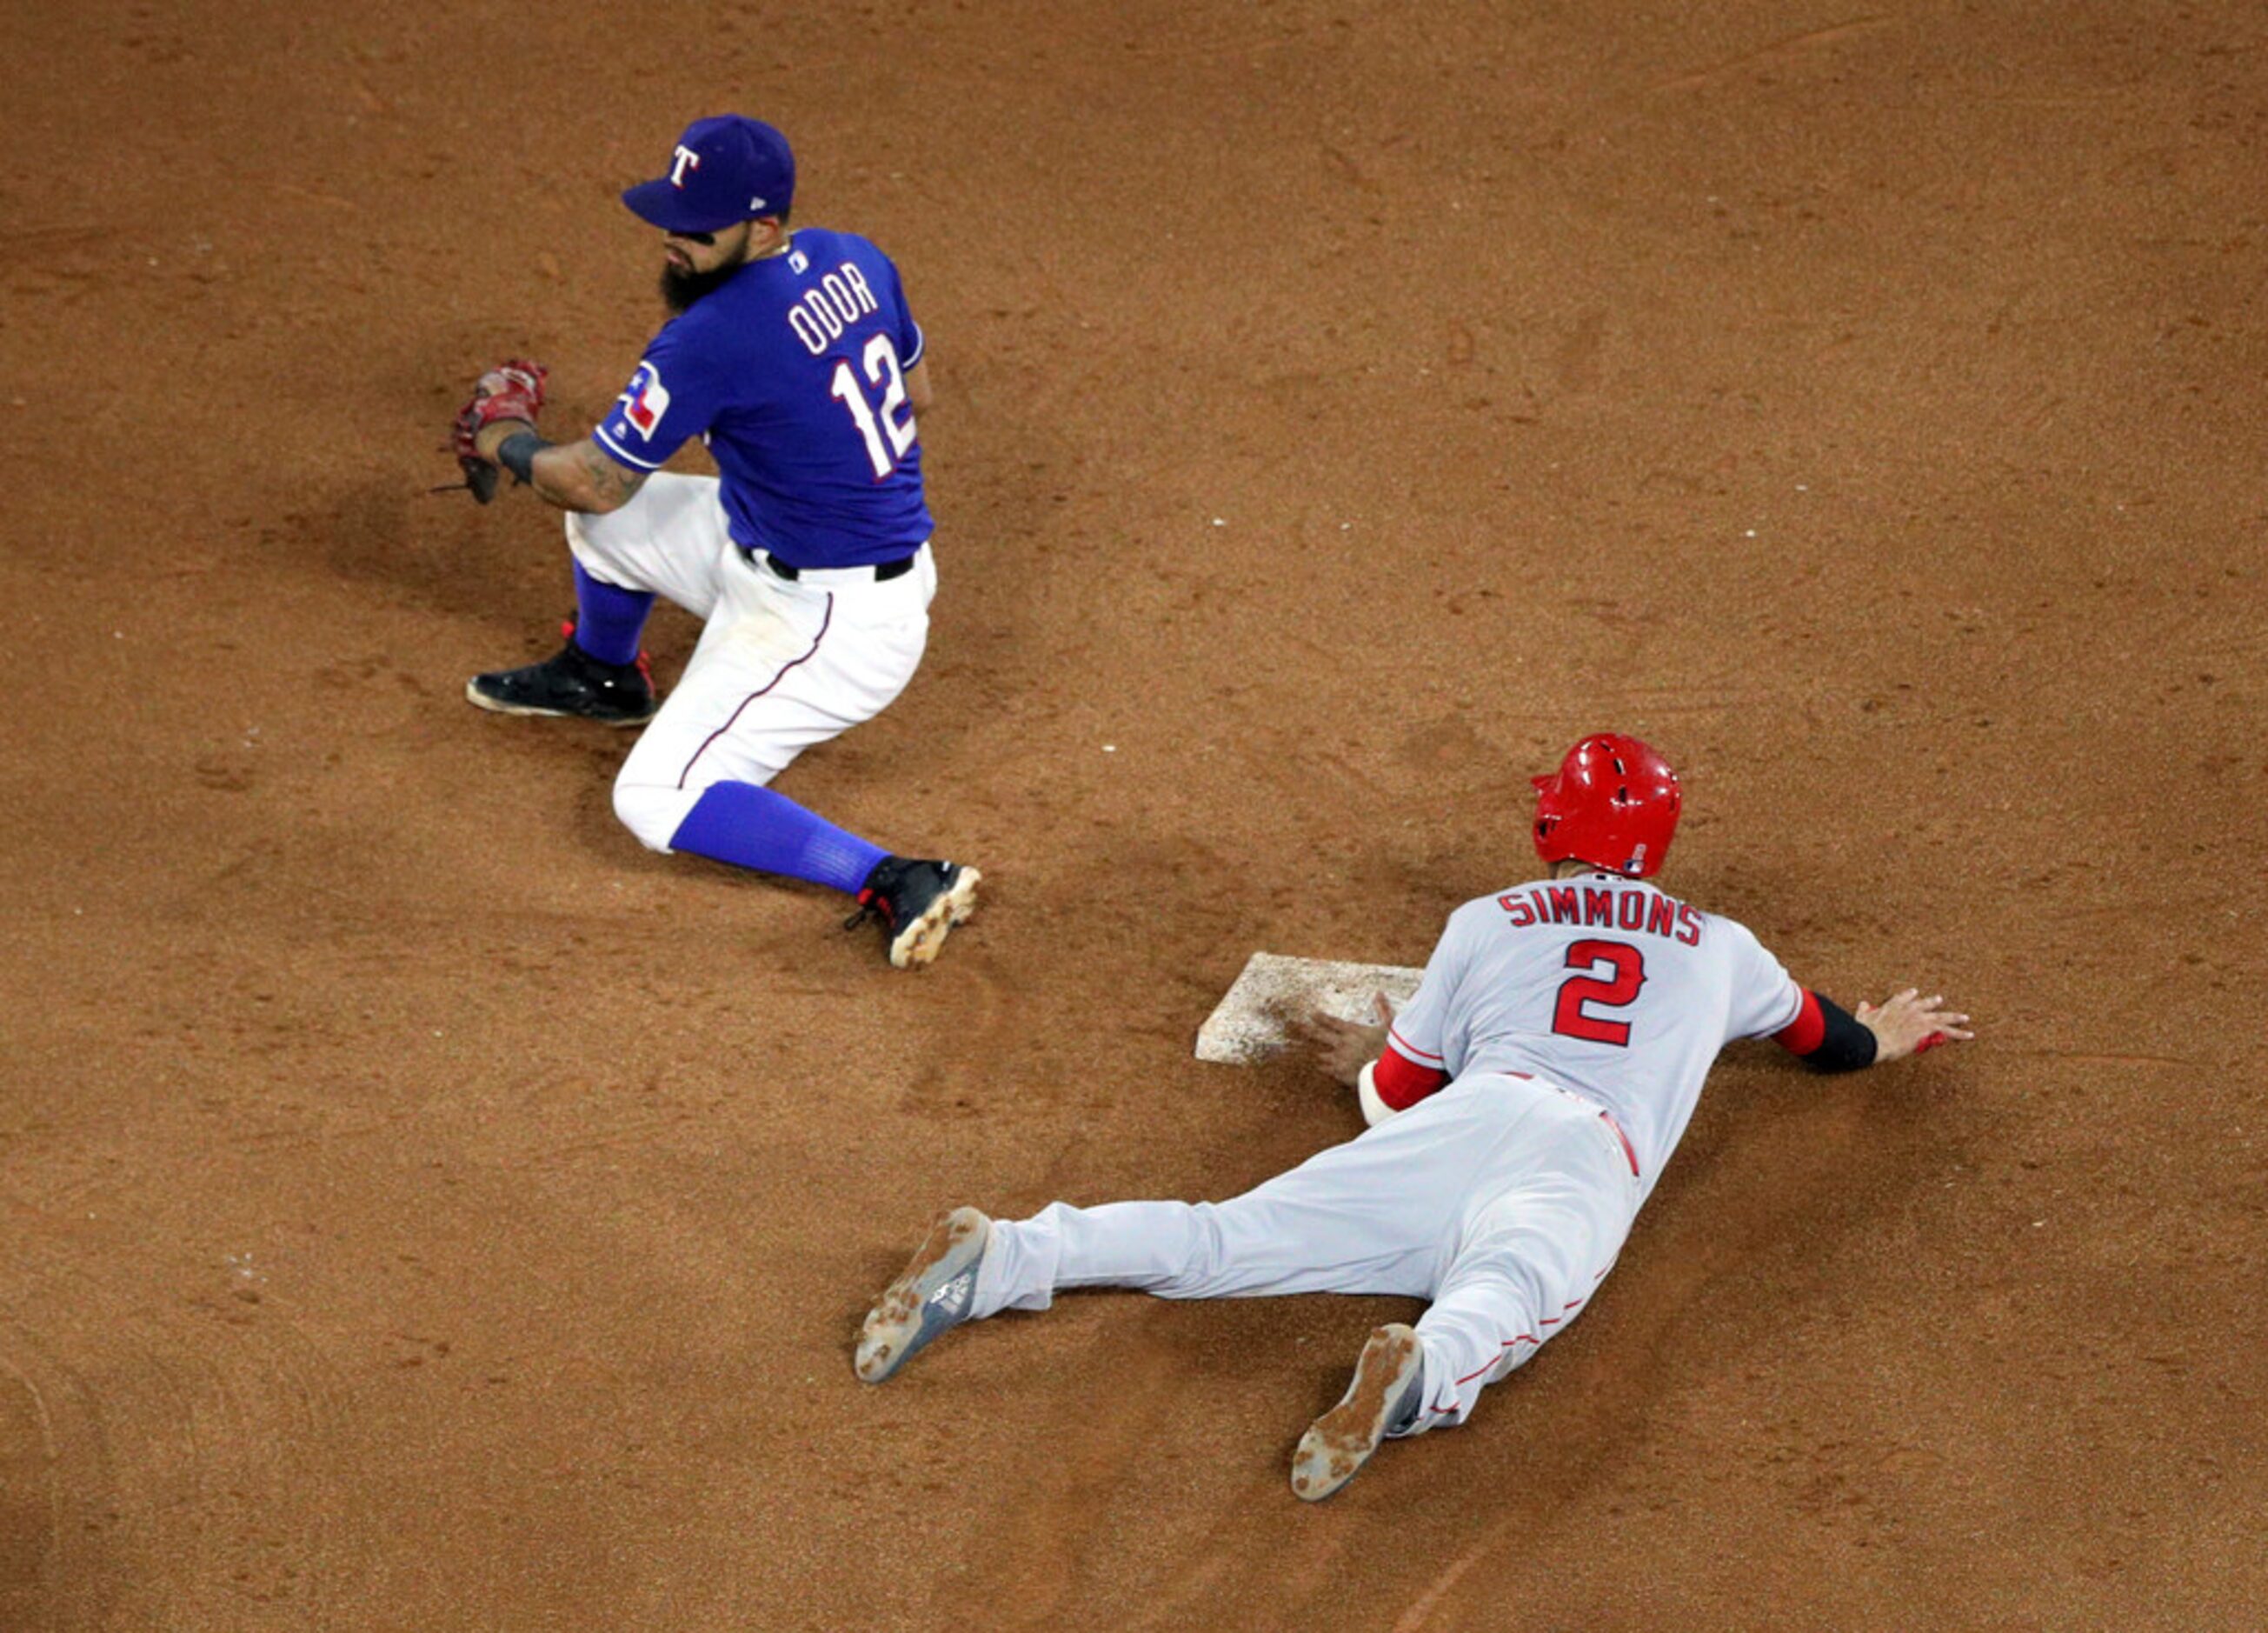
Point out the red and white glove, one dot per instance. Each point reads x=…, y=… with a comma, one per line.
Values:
x=512, y=390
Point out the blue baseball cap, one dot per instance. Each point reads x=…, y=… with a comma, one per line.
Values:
x=725, y=171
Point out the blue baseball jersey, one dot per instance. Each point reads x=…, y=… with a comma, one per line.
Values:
x=794, y=372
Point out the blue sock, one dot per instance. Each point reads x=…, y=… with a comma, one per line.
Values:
x=754, y=827
x=609, y=619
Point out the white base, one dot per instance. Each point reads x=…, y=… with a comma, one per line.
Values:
x=1248, y=1023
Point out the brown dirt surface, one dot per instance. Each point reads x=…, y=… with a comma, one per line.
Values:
x=421, y=1207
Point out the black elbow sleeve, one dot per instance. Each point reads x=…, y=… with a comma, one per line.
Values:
x=1846, y=1047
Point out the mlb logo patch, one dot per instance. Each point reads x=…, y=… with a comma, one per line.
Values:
x=646, y=400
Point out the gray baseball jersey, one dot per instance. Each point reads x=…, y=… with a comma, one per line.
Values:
x=1602, y=985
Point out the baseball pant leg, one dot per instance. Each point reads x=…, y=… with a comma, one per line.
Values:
x=669, y=539
x=781, y=666
x=1368, y=1216
x=1542, y=1229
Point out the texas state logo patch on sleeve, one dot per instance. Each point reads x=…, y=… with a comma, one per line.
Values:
x=644, y=401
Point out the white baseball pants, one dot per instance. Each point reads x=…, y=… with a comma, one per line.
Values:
x=782, y=666
x=1503, y=1200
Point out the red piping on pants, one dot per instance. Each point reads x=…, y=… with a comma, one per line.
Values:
x=1521, y=1338
x=1630, y=1153
x=1629, y=1150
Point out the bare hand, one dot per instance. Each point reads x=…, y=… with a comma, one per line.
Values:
x=1907, y=1024
x=1342, y=1048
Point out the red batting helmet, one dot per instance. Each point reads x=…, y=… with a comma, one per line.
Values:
x=1613, y=803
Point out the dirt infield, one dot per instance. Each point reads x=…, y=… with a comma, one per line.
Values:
x=421, y=1207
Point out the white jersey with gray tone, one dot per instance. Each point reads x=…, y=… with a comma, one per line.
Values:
x=1560, y=1011
x=1600, y=984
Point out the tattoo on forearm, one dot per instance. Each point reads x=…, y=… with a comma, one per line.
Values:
x=590, y=480
x=617, y=482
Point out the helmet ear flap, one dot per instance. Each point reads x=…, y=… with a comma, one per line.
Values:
x=1548, y=816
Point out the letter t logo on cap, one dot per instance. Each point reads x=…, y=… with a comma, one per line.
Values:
x=687, y=159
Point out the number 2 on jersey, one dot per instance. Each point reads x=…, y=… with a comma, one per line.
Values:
x=1578, y=993
x=881, y=360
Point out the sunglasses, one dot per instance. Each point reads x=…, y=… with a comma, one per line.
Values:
x=703, y=238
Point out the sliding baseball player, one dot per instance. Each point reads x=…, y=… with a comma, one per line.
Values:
x=1520, y=1109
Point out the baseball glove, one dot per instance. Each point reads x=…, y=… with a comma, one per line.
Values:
x=511, y=390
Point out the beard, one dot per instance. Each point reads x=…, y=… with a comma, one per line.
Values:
x=681, y=289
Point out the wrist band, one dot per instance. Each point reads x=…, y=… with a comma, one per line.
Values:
x=517, y=455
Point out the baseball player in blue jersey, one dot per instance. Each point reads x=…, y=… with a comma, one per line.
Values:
x=793, y=354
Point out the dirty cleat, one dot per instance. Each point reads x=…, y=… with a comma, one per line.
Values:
x=573, y=683
x=918, y=903
x=1389, y=1387
x=933, y=1294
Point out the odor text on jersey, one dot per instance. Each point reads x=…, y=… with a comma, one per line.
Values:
x=840, y=299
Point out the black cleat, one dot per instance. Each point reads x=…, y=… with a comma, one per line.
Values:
x=572, y=683
x=918, y=903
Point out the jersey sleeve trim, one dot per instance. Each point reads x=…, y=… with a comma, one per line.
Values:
x=1419, y=1057
x=1798, y=999
x=617, y=451
x=921, y=344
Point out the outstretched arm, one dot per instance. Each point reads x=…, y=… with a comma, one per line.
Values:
x=574, y=476
x=497, y=429
x=1833, y=1040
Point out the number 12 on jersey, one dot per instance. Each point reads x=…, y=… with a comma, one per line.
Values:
x=1579, y=994
x=887, y=433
